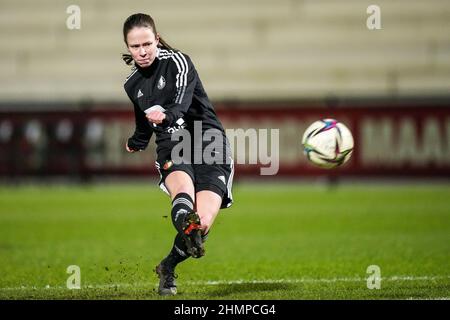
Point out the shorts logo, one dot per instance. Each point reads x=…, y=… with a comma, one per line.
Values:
x=161, y=83
x=167, y=164
x=222, y=178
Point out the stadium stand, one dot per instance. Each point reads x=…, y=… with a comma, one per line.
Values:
x=243, y=50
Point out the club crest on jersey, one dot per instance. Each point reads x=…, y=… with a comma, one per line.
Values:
x=161, y=83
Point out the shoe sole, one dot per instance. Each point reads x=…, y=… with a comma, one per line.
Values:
x=192, y=235
x=167, y=292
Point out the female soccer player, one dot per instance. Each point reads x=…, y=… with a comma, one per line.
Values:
x=169, y=99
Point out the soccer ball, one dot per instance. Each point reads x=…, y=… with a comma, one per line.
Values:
x=328, y=143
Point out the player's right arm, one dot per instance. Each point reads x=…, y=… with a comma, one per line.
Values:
x=142, y=134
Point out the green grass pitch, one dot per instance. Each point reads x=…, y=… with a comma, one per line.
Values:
x=286, y=241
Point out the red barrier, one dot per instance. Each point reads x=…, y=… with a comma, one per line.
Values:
x=399, y=141
x=389, y=141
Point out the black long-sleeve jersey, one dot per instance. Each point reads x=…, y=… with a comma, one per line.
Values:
x=170, y=84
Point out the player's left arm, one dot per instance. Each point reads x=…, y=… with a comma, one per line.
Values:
x=185, y=81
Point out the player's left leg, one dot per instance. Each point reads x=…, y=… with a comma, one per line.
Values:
x=207, y=206
x=212, y=192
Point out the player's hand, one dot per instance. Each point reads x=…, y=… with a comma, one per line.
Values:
x=156, y=116
x=128, y=149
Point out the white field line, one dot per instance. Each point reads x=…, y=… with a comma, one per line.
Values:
x=230, y=282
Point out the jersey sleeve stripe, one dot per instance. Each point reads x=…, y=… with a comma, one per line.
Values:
x=181, y=76
x=180, y=71
x=185, y=77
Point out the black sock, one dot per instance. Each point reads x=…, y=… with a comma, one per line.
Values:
x=177, y=254
x=182, y=204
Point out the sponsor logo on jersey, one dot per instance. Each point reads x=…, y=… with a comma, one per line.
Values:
x=179, y=125
x=161, y=83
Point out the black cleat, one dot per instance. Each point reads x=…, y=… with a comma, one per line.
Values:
x=192, y=235
x=167, y=286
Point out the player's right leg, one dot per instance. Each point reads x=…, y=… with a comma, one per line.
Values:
x=182, y=191
x=166, y=268
x=184, y=218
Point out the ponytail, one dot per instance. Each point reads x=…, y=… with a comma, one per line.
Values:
x=163, y=44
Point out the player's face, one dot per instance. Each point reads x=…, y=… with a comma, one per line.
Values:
x=142, y=44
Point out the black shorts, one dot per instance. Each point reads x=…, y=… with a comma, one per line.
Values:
x=213, y=177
